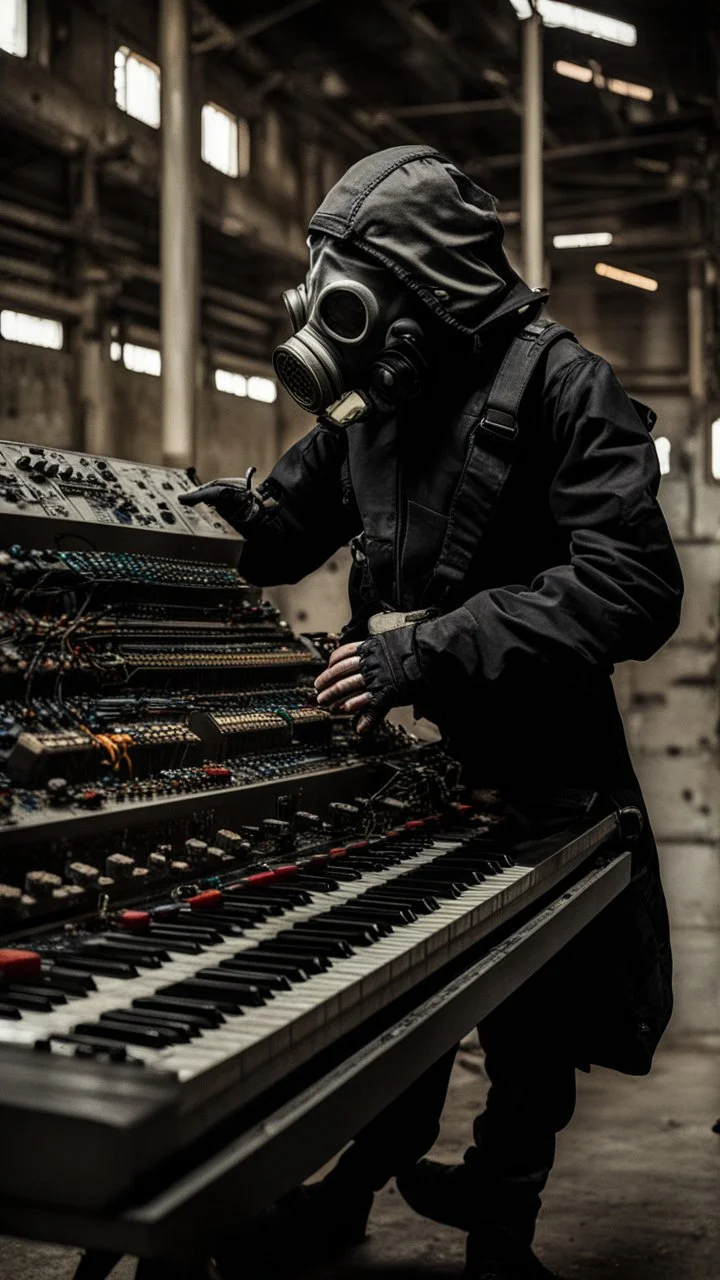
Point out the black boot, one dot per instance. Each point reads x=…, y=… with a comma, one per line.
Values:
x=496, y=1254
x=304, y=1229
x=497, y=1211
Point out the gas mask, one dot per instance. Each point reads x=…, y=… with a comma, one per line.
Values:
x=354, y=330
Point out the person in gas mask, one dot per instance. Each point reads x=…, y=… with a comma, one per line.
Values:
x=498, y=489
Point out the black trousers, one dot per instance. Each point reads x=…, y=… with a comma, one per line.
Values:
x=532, y=1096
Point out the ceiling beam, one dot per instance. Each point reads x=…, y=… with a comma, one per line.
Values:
x=575, y=150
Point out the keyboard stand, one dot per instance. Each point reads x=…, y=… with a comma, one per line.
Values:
x=239, y=1180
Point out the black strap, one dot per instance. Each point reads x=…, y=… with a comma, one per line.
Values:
x=491, y=452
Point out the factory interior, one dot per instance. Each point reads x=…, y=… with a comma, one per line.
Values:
x=159, y=163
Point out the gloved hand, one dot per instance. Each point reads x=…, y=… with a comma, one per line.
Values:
x=371, y=676
x=234, y=500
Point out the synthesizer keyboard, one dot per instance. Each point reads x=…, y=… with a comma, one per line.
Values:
x=220, y=910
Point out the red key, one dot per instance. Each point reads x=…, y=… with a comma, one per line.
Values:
x=415, y=824
x=338, y=853
x=135, y=921
x=359, y=844
x=284, y=873
x=20, y=964
x=262, y=877
x=210, y=899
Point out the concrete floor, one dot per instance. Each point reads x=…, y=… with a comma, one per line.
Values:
x=635, y=1195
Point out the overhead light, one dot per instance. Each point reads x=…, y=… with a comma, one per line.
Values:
x=583, y=240
x=626, y=89
x=573, y=71
x=626, y=277
x=555, y=13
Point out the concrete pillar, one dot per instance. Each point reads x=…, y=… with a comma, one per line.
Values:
x=92, y=349
x=533, y=247
x=178, y=238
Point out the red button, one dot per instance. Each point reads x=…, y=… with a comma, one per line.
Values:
x=20, y=964
x=212, y=898
x=135, y=921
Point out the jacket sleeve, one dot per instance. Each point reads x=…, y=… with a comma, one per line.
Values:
x=619, y=596
x=311, y=519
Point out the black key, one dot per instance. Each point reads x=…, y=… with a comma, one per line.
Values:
x=340, y=872
x=247, y=993
x=86, y=1047
x=129, y=942
x=204, y=1014
x=168, y=1036
x=301, y=956
x=262, y=978
x=356, y=934
x=227, y=928
x=99, y=949
x=376, y=919
x=148, y=1037
x=203, y=936
x=37, y=989
x=91, y=964
x=384, y=909
x=9, y=1010
x=270, y=964
x=439, y=888
x=66, y=980
x=38, y=1004
x=319, y=884
x=286, y=897
x=177, y=1032
x=314, y=943
x=208, y=992
x=419, y=901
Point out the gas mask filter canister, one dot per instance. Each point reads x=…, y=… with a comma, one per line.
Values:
x=350, y=332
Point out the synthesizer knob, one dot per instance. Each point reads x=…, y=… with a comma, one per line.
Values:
x=276, y=830
x=217, y=858
x=83, y=874
x=307, y=821
x=342, y=815
x=231, y=842
x=168, y=517
x=119, y=866
x=9, y=898
x=66, y=471
x=51, y=469
x=196, y=851
x=157, y=864
x=179, y=868
x=57, y=789
x=40, y=884
x=24, y=462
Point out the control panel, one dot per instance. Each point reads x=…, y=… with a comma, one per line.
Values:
x=104, y=504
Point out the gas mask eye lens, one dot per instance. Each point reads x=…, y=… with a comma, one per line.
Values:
x=343, y=314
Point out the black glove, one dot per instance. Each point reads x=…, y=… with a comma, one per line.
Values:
x=234, y=500
x=371, y=676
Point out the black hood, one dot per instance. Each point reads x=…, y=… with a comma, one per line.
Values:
x=426, y=221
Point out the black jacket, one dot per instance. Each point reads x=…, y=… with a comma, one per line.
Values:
x=576, y=570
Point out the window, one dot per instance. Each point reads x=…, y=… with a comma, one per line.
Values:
x=137, y=359
x=36, y=331
x=14, y=27
x=263, y=389
x=715, y=449
x=233, y=383
x=225, y=141
x=137, y=86
x=663, y=446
